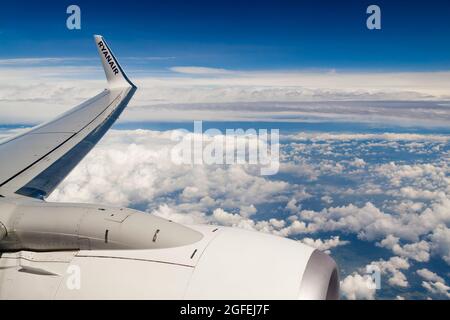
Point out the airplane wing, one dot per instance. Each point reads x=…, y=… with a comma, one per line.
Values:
x=34, y=163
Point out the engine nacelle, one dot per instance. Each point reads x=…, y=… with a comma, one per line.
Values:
x=240, y=264
x=43, y=226
x=136, y=261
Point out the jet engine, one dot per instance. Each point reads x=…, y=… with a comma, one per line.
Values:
x=80, y=251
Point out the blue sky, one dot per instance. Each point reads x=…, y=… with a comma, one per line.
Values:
x=244, y=35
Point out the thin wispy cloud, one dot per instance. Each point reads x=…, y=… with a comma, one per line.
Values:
x=148, y=58
x=38, y=92
x=201, y=70
x=44, y=61
x=61, y=61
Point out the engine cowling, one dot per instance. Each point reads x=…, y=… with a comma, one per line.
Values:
x=127, y=254
x=240, y=264
x=42, y=226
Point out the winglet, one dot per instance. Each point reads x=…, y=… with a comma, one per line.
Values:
x=114, y=73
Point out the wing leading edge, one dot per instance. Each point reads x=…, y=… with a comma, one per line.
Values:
x=34, y=163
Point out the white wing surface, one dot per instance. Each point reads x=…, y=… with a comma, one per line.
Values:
x=34, y=163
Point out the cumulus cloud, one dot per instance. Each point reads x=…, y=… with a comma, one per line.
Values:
x=419, y=251
x=382, y=205
x=327, y=199
x=420, y=174
x=392, y=268
x=363, y=286
x=440, y=239
x=141, y=162
x=300, y=169
x=325, y=245
x=292, y=206
x=429, y=275
x=368, y=222
x=358, y=287
x=437, y=288
x=358, y=162
x=324, y=136
x=234, y=220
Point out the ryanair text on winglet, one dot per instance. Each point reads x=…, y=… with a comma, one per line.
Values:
x=108, y=57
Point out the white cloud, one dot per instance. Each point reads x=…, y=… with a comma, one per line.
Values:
x=438, y=288
x=440, y=239
x=200, y=70
x=421, y=174
x=370, y=223
x=392, y=268
x=300, y=169
x=429, y=275
x=44, y=61
x=358, y=287
x=321, y=136
x=293, y=207
x=140, y=162
x=166, y=212
x=367, y=221
x=324, y=245
x=274, y=226
x=229, y=219
x=358, y=162
x=327, y=199
x=419, y=251
x=217, y=94
x=398, y=279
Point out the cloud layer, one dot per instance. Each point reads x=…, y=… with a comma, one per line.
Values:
x=43, y=87
x=334, y=192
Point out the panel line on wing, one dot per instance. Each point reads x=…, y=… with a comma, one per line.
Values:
x=58, y=146
x=36, y=161
x=44, y=183
x=66, y=114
